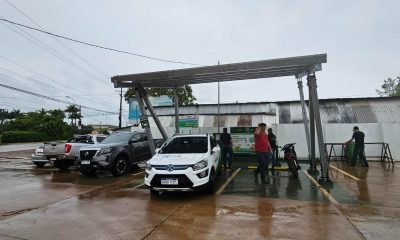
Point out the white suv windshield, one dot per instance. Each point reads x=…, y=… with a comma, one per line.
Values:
x=185, y=145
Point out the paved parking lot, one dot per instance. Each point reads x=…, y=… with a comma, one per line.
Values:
x=50, y=204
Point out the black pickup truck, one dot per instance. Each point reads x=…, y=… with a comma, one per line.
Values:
x=117, y=153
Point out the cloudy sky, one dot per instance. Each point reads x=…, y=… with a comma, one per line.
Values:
x=361, y=38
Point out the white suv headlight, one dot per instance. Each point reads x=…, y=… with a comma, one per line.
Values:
x=200, y=165
x=148, y=166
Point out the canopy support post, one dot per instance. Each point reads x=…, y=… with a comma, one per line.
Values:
x=153, y=113
x=317, y=117
x=305, y=119
x=144, y=118
x=176, y=100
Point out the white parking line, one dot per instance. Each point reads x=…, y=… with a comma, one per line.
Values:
x=138, y=186
x=221, y=189
x=327, y=195
x=345, y=173
x=137, y=173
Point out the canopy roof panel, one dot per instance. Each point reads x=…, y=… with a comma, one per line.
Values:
x=227, y=72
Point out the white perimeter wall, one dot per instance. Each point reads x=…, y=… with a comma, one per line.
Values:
x=333, y=133
x=340, y=133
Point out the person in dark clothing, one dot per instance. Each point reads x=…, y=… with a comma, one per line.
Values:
x=359, y=147
x=272, y=143
x=226, y=148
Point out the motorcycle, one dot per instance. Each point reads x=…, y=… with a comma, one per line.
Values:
x=291, y=158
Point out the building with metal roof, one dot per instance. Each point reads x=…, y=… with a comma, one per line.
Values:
x=338, y=110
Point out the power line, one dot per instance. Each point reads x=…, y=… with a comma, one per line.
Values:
x=88, y=95
x=98, y=46
x=36, y=72
x=38, y=84
x=72, y=51
x=51, y=98
x=65, y=87
x=52, y=51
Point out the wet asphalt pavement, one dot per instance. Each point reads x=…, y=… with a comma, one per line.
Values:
x=50, y=204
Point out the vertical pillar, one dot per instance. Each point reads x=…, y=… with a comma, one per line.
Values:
x=305, y=119
x=120, y=110
x=176, y=110
x=218, y=108
x=313, y=168
x=318, y=124
x=144, y=115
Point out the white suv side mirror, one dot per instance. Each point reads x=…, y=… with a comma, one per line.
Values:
x=215, y=149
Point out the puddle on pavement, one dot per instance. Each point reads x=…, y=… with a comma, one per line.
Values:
x=284, y=187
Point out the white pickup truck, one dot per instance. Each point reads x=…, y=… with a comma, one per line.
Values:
x=64, y=154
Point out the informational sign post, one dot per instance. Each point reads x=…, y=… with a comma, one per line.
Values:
x=242, y=139
x=189, y=121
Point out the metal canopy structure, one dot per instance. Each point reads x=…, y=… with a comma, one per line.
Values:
x=228, y=72
x=299, y=67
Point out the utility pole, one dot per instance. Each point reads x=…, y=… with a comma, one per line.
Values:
x=120, y=109
x=219, y=98
x=2, y=119
x=80, y=120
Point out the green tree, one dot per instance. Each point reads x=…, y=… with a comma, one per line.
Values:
x=50, y=123
x=5, y=115
x=73, y=114
x=390, y=87
x=185, y=94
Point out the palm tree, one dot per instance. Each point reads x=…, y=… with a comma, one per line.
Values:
x=73, y=114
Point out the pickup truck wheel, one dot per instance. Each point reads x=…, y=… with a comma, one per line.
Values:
x=210, y=189
x=88, y=172
x=120, y=166
x=62, y=164
x=40, y=164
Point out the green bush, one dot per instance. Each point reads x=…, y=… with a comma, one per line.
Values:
x=23, y=136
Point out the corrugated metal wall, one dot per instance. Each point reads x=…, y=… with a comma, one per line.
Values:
x=369, y=110
x=357, y=110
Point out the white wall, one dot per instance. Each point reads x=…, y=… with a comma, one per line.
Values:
x=333, y=133
x=339, y=133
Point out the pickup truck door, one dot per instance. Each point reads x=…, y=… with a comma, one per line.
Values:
x=145, y=147
x=135, y=148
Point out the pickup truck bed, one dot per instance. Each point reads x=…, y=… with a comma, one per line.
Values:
x=64, y=154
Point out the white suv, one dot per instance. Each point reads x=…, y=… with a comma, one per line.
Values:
x=184, y=163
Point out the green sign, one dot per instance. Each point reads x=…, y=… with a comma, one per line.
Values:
x=242, y=139
x=190, y=121
x=144, y=121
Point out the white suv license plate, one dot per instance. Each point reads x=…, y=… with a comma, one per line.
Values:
x=85, y=162
x=169, y=181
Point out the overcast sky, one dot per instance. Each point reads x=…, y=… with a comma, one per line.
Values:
x=361, y=38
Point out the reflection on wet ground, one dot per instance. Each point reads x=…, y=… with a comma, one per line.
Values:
x=52, y=204
x=281, y=186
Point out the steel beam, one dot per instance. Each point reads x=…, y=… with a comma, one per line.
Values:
x=176, y=100
x=144, y=113
x=317, y=117
x=313, y=168
x=153, y=113
x=224, y=72
x=305, y=119
x=309, y=60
